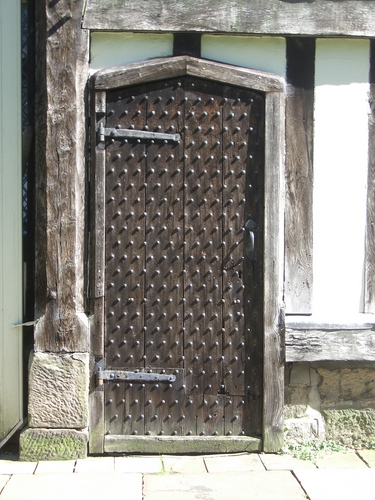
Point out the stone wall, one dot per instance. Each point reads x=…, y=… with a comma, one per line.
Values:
x=330, y=401
x=58, y=407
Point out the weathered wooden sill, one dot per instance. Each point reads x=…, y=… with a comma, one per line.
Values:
x=181, y=444
x=309, y=340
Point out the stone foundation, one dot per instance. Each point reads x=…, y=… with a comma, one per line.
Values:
x=334, y=401
x=53, y=444
x=58, y=408
x=58, y=391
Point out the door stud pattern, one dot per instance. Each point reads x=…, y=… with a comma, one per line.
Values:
x=179, y=273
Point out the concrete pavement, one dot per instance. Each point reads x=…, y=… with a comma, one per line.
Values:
x=336, y=475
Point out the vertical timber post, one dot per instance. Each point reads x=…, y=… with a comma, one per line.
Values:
x=58, y=399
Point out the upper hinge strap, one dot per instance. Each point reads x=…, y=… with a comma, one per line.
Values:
x=136, y=134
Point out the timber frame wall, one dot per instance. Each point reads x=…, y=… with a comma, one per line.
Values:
x=62, y=73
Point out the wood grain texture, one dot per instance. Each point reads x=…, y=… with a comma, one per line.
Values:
x=318, y=18
x=299, y=175
x=339, y=345
x=160, y=69
x=177, y=445
x=370, y=221
x=96, y=435
x=62, y=49
x=273, y=376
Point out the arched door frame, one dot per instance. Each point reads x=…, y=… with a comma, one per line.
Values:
x=272, y=86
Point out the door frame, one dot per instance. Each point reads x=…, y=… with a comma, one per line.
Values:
x=273, y=89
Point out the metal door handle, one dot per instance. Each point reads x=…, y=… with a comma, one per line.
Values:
x=250, y=227
x=251, y=241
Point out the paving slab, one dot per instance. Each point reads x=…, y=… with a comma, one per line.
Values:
x=262, y=485
x=16, y=467
x=273, y=461
x=95, y=464
x=81, y=486
x=234, y=463
x=343, y=484
x=184, y=465
x=340, y=459
x=150, y=465
x=55, y=467
x=368, y=456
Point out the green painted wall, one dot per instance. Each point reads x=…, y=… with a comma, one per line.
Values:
x=10, y=218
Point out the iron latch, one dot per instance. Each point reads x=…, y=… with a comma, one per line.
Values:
x=136, y=376
x=126, y=133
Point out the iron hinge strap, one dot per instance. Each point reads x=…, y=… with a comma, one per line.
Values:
x=137, y=377
x=135, y=134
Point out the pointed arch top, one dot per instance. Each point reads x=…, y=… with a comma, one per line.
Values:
x=174, y=67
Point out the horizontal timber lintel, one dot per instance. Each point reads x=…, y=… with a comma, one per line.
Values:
x=262, y=17
x=332, y=345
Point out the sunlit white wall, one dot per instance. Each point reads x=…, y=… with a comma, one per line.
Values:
x=263, y=53
x=115, y=49
x=340, y=174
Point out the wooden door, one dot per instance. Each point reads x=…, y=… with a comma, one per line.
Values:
x=183, y=257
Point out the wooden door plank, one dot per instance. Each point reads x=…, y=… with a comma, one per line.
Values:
x=125, y=260
x=164, y=251
x=164, y=234
x=236, y=132
x=203, y=234
x=125, y=233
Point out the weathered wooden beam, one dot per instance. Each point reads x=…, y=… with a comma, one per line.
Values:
x=272, y=17
x=299, y=175
x=62, y=69
x=159, y=69
x=370, y=221
x=333, y=345
x=273, y=344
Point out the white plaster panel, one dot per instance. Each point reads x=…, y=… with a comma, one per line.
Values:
x=262, y=53
x=115, y=49
x=340, y=174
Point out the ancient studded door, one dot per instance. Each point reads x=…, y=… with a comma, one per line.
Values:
x=183, y=246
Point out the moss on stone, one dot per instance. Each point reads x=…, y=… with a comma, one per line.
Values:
x=350, y=427
x=52, y=444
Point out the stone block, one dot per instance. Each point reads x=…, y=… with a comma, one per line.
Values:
x=357, y=384
x=53, y=444
x=304, y=429
x=300, y=374
x=58, y=390
x=330, y=386
x=351, y=427
x=298, y=395
x=294, y=411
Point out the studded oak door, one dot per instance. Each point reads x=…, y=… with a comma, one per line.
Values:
x=183, y=249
